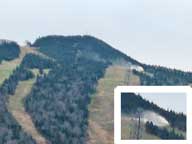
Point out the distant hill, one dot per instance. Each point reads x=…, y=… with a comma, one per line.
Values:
x=9, y=50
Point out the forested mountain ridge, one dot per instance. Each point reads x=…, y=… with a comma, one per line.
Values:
x=58, y=102
x=81, y=47
x=92, y=48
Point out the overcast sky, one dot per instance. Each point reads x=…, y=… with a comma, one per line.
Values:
x=172, y=101
x=152, y=31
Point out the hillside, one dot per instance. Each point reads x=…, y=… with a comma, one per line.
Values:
x=101, y=111
x=17, y=109
x=10, y=130
x=16, y=83
x=129, y=129
x=73, y=102
x=84, y=58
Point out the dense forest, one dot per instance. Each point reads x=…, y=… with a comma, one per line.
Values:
x=8, y=50
x=130, y=102
x=59, y=101
x=157, y=75
x=36, y=61
x=163, y=133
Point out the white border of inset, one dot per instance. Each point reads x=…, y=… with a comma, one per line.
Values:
x=151, y=89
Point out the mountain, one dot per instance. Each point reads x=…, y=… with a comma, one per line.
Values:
x=69, y=70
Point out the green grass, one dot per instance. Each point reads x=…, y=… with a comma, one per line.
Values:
x=23, y=88
x=16, y=101
x=128, y=130
x=5, y=74
x=6, y=69
x=101, y=109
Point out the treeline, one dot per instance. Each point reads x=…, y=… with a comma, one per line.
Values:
x=130, y=102
x=10, y=131
x=157, y=75
x=58, y=103
x=8, y=50
x=163, y=133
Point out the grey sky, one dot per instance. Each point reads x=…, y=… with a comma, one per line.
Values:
x=171, y=101
x=152, y=31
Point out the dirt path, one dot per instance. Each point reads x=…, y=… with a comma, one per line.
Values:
x=101, y=109
x=16, y=107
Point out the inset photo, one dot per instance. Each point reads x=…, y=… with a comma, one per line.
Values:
x=153, y=116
